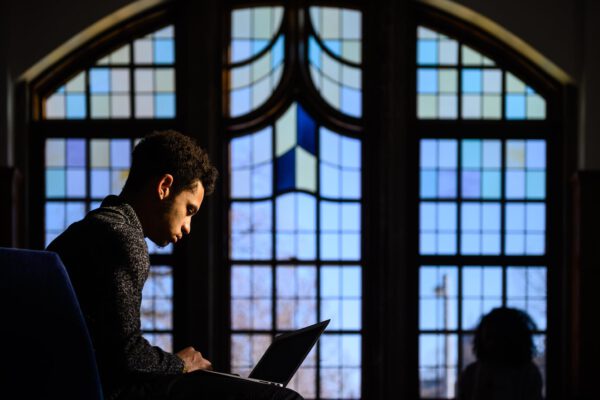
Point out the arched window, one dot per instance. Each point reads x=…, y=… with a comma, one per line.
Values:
x=89, y=118
x=327, y=208
x=295, y=188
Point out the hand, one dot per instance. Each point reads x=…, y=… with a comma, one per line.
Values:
x=193, y=359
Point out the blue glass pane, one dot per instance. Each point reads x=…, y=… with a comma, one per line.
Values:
x=330, y=216
x=447, y=183
x=515, y=106
x=515, y=184
x=492, y=154
x=427, y=80
x=536, y=185
x=334, y=46
x=429, y=153
x=471, y=154
x=351, y=184
x=314, y=52
x=351, y=154
x=447, y=216
x=471, y=184
x=536, y=154
x=447, y=153
x=240, y=49
x=99, y=80
x=55, y=183
x=262, y=180
x=306, y=212
x=258, y=45
x=427, y=213
x=536, y=217
x=351, y=217
x=240, y=101
x=76, y=180
x=515, y=217
x=330, y=181
x=277, y=52
x=427, y=51
x=55, y=216
x=120, y=153
x=350, y=247
x=76, y=152
x=100, y=183
x=164, y=105
x=164, y=51
x=491, y=185
x=428, y=184
x=351, y=101
x=241, y=152
x=75, y=212
x=76, y=106
x=330, y=146
x=471, y=81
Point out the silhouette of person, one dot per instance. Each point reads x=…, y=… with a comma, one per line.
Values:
x=504, y=370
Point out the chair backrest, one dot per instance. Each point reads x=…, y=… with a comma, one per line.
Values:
x=45, y=347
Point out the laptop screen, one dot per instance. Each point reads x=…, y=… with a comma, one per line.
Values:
x=287, y=352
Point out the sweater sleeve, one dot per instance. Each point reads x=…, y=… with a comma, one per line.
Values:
x=125, y=277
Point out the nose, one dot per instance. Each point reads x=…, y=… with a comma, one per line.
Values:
x=187, y=226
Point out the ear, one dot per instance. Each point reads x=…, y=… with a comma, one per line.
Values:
x=164, y=186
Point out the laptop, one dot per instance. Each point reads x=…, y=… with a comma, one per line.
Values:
x=283, y=357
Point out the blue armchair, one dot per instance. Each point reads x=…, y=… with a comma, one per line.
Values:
x=45, y=348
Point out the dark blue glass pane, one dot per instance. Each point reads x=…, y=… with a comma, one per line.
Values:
x=286, y=171
x=164, y=51
x=76, y=152
x=307, y=131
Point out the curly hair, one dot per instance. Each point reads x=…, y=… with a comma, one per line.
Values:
x=170, y=152
x=505, y=336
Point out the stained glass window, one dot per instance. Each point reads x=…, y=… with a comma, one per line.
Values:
x=137, y=80
x=256, y=57
x=454, y=81
x=482, y=194
x=295, y=247
x=335, y=57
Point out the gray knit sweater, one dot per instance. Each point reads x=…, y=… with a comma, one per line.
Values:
x=107, y=259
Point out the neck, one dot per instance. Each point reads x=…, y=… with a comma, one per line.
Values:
x=135, y=200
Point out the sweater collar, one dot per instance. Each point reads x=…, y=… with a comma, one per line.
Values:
x=117, y=203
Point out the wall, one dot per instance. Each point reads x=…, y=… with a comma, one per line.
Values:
x=562, y=30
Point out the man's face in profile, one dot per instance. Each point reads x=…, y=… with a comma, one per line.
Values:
x=175, y=215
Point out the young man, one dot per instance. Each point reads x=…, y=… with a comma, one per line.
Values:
x=107, y=260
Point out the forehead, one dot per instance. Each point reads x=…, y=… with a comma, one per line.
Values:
x=193, y=195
